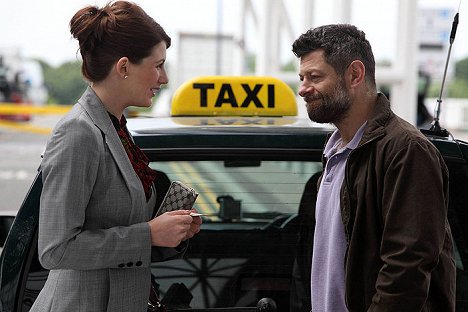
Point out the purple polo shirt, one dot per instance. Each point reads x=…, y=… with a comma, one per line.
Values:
x=327, y=274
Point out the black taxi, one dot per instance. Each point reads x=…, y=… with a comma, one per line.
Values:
x=239, y=142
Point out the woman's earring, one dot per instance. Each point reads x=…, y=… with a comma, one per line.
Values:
x=126, y=76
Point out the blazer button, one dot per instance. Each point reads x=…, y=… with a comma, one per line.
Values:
x=130, y=264
x=139, y=263
x=121, y=265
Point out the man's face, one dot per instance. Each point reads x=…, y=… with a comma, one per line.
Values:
x=325, y=93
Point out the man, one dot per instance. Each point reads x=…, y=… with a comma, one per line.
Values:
x=382, y=240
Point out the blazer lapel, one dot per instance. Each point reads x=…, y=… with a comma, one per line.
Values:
x=94, y=107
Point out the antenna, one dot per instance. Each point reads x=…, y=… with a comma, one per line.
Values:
x=436, y=129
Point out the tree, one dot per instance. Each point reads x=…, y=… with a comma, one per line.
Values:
x=461, y=69
x=456, y=87
x=64, y=83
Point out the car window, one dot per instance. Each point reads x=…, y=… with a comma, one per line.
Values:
x=243, y=191
x=458, y=218
x=22, y=276
x=34, y=282
x=248, y=241
x=5, y=225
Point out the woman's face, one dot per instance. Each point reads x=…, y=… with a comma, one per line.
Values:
x=147, y=77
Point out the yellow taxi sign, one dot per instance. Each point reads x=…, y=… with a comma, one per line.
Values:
x=234, y=96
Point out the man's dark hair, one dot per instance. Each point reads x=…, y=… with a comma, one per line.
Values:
x=341, y=43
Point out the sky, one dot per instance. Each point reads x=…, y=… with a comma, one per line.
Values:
x=39, y=28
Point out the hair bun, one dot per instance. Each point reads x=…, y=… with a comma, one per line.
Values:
x=86, y=26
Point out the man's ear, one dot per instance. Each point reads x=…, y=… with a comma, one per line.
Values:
x=356, y=73
x=121, y=67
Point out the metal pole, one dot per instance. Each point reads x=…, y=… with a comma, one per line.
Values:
x=219, y=34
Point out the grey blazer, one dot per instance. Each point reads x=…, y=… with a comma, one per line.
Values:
x=93, y=235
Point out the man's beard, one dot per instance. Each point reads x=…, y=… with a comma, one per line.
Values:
x=331, y=108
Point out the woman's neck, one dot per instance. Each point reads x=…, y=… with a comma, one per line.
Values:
x=111, y=100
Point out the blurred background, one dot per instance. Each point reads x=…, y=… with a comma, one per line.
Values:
x=40, y=66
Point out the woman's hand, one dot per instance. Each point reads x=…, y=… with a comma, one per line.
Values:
x=173, y=227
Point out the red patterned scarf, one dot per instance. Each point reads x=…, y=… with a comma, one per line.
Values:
x=137, y=158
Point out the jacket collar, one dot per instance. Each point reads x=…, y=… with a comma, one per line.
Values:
x=96, y=110
x=99, y=115
x=380, y=117
x=375, y=125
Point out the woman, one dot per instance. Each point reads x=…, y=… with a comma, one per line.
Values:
x=95, y=228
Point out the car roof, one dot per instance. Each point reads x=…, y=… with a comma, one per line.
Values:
x=228, y=132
